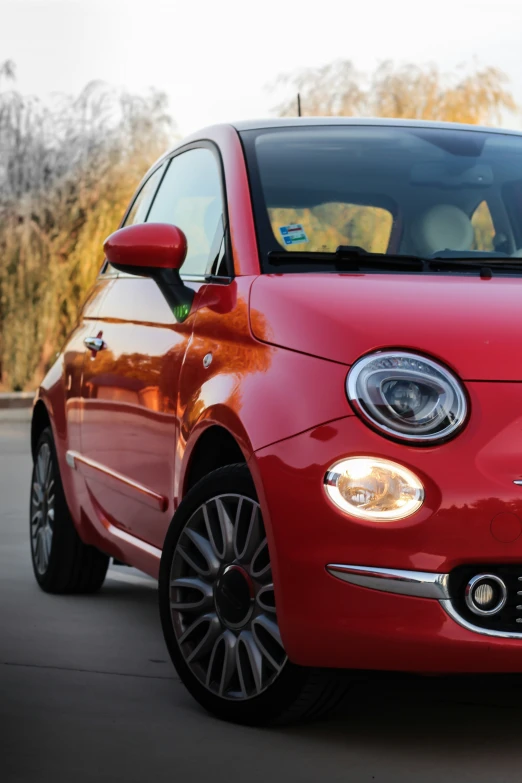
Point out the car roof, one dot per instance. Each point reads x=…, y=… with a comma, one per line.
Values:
x=300, y=122
x=217, y=130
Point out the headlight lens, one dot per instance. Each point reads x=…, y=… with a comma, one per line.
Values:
x=407, y=396
x=374, y=489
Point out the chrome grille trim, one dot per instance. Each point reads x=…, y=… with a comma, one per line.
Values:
x=449, y=608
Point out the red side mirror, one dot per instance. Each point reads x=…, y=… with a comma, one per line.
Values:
x=146, y=246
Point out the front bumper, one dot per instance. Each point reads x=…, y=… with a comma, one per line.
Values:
x=472, y=515
x=418, y=584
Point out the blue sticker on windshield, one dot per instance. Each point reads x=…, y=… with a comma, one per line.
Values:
x=293, y=234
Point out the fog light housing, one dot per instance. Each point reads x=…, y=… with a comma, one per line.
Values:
x=376, y=490
x=485, y=594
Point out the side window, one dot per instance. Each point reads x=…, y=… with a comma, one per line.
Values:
x=139, y=209
x=190, y=198
x=142, y=202
x=483, y=227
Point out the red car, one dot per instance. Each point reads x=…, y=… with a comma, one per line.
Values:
x=294, y=395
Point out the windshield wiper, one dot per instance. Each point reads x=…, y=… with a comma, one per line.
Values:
x=349, y=257
x=484, y=265
x=355, y=259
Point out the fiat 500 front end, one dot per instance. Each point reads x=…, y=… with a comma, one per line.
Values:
x=394, y=553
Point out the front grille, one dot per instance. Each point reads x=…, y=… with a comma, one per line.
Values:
x=510, y=616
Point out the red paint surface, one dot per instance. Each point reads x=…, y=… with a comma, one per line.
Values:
x=472, y=325
x=506, y=527
x=281, y=346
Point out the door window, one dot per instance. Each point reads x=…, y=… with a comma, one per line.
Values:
x=190, y=198
x=142, y=202
x=139, y=209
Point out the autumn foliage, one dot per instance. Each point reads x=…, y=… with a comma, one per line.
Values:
x=67, y=172
x=69, y=168
x=476, y=95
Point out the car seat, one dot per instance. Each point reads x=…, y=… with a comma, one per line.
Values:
x=443, y=227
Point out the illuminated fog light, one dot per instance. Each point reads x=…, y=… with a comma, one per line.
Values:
x=374, y=489
x=485, y=594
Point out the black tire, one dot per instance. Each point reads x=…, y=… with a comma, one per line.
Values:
x=297, y=693
x=62, y=563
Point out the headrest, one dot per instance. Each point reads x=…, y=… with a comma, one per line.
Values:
x=443, y=227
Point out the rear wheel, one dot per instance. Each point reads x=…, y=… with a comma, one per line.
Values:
x=219, y=614
x=62, y=563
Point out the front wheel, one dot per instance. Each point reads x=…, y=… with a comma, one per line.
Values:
x=218, y=610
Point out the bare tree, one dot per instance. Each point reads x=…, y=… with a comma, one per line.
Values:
x=332, y=90
x=474, y=95
x=7, y=70
x=67, y=171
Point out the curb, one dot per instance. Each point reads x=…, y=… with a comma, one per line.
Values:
x=10, y=400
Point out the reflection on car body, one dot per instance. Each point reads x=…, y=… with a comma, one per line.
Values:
x=294, y=395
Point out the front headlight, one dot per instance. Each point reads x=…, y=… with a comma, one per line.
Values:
x=408, y=397
x=374, y=489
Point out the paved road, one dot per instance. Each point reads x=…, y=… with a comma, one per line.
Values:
x=87, y=694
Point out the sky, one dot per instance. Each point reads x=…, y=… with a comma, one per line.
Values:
x=215, y=59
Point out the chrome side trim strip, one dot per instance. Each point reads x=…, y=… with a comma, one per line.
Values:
x=449, y=608
x=137, y=542
x=117, y=481
x=421, y=584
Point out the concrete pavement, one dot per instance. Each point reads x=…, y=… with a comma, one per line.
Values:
x=87, y=693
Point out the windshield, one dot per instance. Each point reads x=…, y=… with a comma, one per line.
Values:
x=420, y=191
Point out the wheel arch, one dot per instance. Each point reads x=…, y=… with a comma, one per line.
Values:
x=226, y=445
x=40, y=420
x=214, y=447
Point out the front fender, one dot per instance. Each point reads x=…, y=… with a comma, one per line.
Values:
x=261, y=393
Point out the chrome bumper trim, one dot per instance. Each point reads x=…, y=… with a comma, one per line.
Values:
x=450, y=609
x=420, y=584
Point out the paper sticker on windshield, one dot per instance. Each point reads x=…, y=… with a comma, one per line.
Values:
x=293, y=234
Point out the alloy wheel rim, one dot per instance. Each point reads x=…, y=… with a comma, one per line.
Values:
x=42, y=509
x=222, y=599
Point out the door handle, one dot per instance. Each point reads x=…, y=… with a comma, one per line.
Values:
x=94, y=343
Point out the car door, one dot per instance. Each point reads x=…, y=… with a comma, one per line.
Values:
x=130, y=390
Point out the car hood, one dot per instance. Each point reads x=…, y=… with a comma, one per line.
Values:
x=472, y=325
